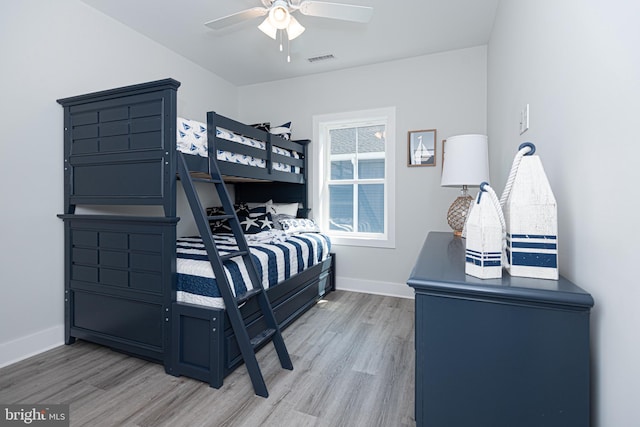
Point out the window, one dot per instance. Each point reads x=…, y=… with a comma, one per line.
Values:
x=354, y=177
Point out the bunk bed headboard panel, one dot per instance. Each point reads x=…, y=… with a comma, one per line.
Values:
x=120, y=147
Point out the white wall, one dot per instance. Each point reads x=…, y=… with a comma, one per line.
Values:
x=52, y=50
x=577, y=63
x=445, y=91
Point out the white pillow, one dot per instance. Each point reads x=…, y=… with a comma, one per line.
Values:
x=282, y=208
x=299, y=225
x=284, y=130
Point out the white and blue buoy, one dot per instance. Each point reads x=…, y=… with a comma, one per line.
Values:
x=531, y=216
x=485, y=230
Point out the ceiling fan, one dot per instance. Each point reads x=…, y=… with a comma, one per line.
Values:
x=280, y=15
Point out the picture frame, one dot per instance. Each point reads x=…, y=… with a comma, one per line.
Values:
x=421, y=148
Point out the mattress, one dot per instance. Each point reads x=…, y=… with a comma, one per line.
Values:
x=192, y=139
x=277, y=256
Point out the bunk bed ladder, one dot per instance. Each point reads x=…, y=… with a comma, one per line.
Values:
x=248, y=346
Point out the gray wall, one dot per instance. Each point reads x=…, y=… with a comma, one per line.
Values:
x=577, y=64
x=445, y=91
x=51, y=50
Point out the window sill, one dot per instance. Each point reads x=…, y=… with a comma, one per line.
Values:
x=362, y=242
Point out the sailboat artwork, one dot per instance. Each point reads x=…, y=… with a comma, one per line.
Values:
x=422, y=148
x=421, y=155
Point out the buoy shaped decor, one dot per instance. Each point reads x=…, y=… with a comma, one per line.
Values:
x=485, y=230
x=531, y=216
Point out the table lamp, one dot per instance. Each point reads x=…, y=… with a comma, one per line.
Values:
x=466, y=163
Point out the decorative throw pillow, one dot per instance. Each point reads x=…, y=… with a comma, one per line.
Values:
x=283, y=131
x=257, y=204
x=282, y=208
x=258, y=211
x=256, y=224
x=242, y=210
x=299, y=225
x=279, y=217
x=218, y=225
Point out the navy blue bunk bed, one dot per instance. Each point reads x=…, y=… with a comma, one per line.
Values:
x=120, y=271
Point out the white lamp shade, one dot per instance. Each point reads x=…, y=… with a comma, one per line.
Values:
x=466, y=161
x=294, y=29
x=268, y=29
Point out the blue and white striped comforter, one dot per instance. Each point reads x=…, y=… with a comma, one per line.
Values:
x=276, y=262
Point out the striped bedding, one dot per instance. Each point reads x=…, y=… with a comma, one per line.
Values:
x=284, y=257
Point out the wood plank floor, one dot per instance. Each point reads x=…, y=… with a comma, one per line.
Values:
x=353, y=357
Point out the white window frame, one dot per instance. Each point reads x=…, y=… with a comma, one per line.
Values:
x=321, y=174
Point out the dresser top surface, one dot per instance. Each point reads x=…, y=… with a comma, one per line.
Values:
x=440, y=268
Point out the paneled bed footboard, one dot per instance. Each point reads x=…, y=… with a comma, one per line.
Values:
x=118, y=282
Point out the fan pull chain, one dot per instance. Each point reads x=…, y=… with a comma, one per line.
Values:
x=288, y=49
x=280, y=35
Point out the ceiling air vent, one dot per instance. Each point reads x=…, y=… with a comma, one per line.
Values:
x=321, y=58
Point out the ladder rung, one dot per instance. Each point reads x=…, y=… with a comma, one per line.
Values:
x=228, y=256
x=219, y=217
x=248, y=295
x=209, y=180
x=262, y=337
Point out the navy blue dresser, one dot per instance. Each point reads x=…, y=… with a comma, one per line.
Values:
x=510, y=352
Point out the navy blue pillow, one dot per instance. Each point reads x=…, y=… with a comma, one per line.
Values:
x=255, y=224
x=242, y=210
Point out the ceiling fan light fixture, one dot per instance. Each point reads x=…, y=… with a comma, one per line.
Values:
x=267, y=28
x=294, y=29
x=279, y=14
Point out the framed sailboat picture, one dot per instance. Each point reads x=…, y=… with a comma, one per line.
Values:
x=422, y=148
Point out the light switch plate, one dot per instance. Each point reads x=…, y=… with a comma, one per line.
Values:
x=524, y=119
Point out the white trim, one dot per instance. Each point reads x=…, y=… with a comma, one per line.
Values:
x=319, y=174
x=400, y=290
x=24, y=347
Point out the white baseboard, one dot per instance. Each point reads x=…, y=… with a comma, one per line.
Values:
x=401, y=290
x=24, y=347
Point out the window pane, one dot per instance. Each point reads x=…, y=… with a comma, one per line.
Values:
x=343, y=141
x=371, y=208
x=341, y=169
x=341, y=207
x=371, y=169
x=371, y=139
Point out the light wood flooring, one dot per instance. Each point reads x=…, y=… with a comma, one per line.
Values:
x=353, y=357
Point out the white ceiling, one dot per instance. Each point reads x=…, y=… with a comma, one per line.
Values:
x=244, y=55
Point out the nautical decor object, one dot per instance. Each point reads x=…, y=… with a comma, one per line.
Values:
x=485, y=236
x=531, y=216
x=465, y=163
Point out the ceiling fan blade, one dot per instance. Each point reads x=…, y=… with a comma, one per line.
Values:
x=345, y=12
x=236, y=18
